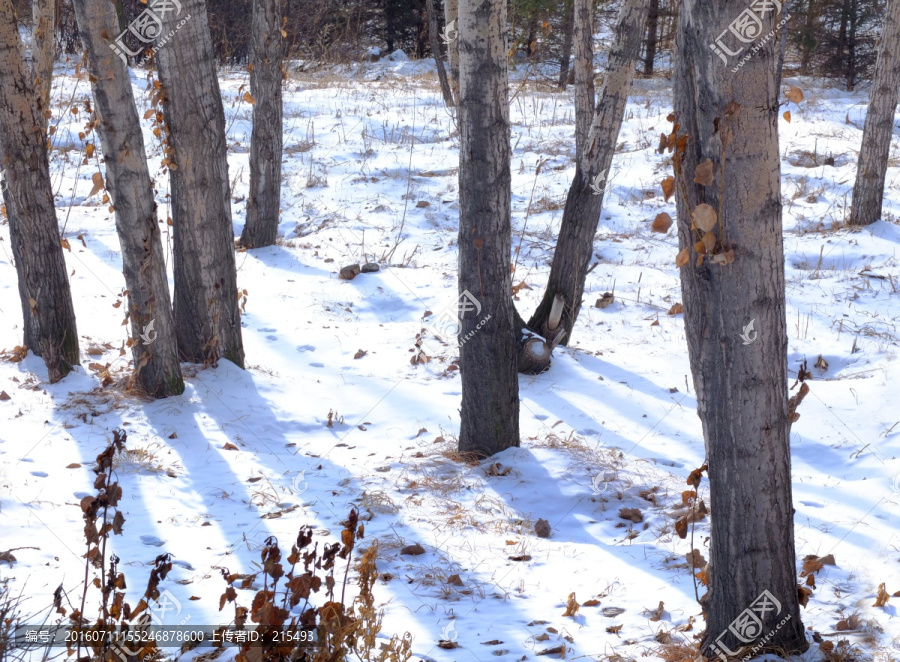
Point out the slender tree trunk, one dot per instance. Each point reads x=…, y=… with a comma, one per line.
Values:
x=488, y=355
x=568, y=29
x=808, y=41
x=438, y=56
x=584, y=73
x=842, y=36
x=47, y=310
x=451, y=21
x=868, y=192
x=652, y=34
x=736, y=328
x=584, y=202
x=43, y=51
x=852, y=21
x=207, y=318
x=264, y=203
x=154, y=348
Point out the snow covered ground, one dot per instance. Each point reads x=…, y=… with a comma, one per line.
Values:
x=370, y=175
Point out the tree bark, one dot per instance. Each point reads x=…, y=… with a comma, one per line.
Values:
x=583, y=33
x=47, y=310
x=154, y=348
x=808, y=40
x=488, y=354
x=43, y=51
x=852, y=21
x=742, y=387
x=868, y=192
x=438, y=56
x=207, y=317
x=451, y=21
x=264, y=203
x=584, y=201
x=652, y=35
x=568, y=29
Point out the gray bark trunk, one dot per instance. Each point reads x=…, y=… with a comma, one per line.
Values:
x=451, y=22
x=868, y=192
x=568, y=29
x=585, y=97
x=741, y=383
x=43, y=50
x=652, y=36
x=488, y=355
x=49, y=316
x=584, y=202
x=264, y=203
x=154, y=347
x=207, y=318
x=435, y=44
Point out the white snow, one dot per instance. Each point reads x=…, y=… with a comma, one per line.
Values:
x=613, y=417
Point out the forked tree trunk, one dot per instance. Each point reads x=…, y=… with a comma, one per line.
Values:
x=583, y=33
x=264, y=203
x=868, y=192
x=584, y=201
x=652, y=36
x=43, y=51
x=451, y=34
x=488, y=355
x=435, y=40
x=47, y=310
x=207, y=318
x=154, y=348
x=736, y=328
x=564, y=59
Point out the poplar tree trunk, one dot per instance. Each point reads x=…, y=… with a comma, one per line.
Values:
x=264, y=203
x=584, y=201
x=652, y=36
x=868, y=192
x=154, y=347
x=43, y=51
x=435, y=40
x=488, y=355
x=568, y=29
x=451, y=21
x=207, y=318
x=47, y=310
x=583, y=33
x=736, y=329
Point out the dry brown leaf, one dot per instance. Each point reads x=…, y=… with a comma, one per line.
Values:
x=787, y=116
x=803, y=595
x=658, y=612
x=661, y=223
x=229, y=447
x=248, y=98
x=794, y=94
x=614, y=629
x=668, y=187
x=97, y=179
x=709, y=241
x=704, y=173
x=705, y=217
x=590, y=603
x=676, y=309
x=632, y=514
x=681, y=527
x=572, y=606
x=74, y=465
x=684, y=255
x=695, y=559
x=4, y=396
x=846, y=624
x=882, y=598
x=359, y=354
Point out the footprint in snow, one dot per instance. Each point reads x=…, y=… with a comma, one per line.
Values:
x=317, y=365
x=306, y=348
x=39, y=474
x=152, y=540
x=268, y=330
x=81, y=495
x=271, y=337
x=812, y=504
